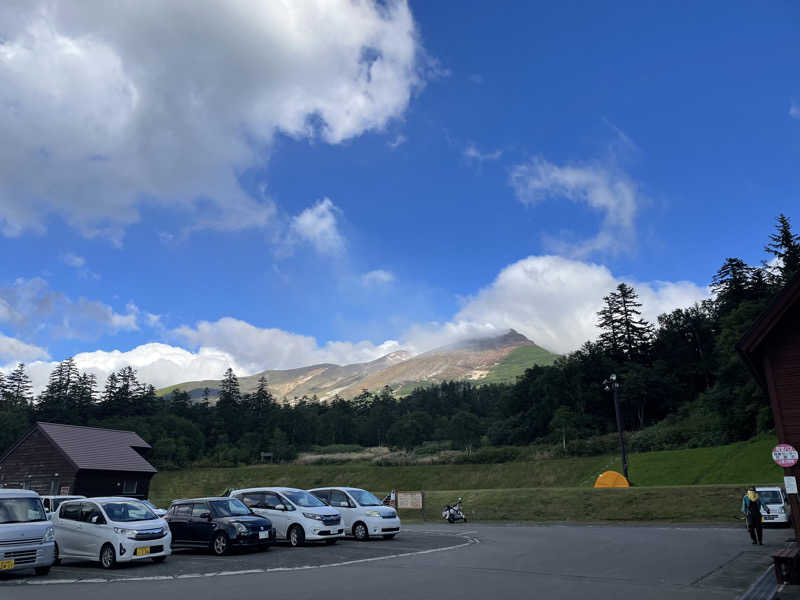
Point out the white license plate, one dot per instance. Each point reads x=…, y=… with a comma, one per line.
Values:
x=263, y=535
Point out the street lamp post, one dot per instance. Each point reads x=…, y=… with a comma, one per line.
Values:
x=611, y=384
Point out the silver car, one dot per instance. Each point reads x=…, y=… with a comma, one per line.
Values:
x=27, y=539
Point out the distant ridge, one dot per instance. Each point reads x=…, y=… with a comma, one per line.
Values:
x=493, y=359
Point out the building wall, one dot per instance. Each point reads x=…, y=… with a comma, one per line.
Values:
x=37, y=465
x=782, y=353
x=113, y=483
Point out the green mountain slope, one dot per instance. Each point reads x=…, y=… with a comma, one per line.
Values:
x=515, y=364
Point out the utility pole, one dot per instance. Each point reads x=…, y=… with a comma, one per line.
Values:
x=611, y=384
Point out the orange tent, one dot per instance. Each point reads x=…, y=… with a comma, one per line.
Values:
x=609, y=479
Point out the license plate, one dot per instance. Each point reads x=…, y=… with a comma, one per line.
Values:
x=143, y=551
x=263, y=535
x=5, y=565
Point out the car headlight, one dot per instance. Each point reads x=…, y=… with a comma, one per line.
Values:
x=372, y=513
x=781, y=510
x=312, y=516
x=241, y=529
x=129, y=533
x=49, y=535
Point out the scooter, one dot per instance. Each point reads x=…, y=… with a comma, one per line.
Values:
x=454, y=513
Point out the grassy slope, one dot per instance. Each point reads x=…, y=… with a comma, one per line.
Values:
x=515, y=364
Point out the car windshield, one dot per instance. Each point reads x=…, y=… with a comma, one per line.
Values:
x=122, y=512
x=770, y=497
x=364, y=498
x=304, y=499
x=21, y=510
x=229, y=508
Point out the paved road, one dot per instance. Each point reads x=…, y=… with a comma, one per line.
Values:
x=462, y=561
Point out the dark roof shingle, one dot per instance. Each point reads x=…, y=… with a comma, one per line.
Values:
x=99, y=449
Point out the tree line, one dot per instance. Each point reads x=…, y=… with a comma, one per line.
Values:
x=682, y=385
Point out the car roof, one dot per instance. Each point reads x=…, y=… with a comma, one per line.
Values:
x=106, y=499
x=190, y=500
x=267, y=489
x=65, y=497
x=17, y=493
x=346, y=488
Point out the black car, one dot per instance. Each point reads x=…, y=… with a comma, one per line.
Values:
x=219, y=524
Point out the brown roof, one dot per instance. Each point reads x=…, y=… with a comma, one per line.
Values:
x=98, y=449
x=750, y=346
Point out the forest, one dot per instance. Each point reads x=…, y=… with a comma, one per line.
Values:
x=682, y=384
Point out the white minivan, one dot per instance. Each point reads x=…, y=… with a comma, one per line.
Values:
x=778, y=504
x=296, y=515
x=364, y=516
x=110, y=530
x=26, y=536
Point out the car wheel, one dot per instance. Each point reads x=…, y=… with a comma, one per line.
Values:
x=42, y=570
x=297, y=536
x=220, y=545
x=108, y=558
x=56, y=560
x=159, y=559
x=331, y=542
x=389, y=536
x=450, y=519
x=360, y=532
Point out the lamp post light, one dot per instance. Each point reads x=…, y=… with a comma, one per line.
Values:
x=611, y=384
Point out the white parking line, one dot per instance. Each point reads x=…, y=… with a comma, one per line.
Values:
x=469, y=541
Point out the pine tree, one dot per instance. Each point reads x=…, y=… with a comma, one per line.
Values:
x=785, y=246
x=610, y=338
x=60, y=400
x=229, y=403
x=731, y=284
x=625, y=334
x=17, y=389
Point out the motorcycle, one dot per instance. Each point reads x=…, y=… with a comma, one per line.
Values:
x=454, y=513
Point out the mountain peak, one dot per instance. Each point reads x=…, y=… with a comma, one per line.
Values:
x=511, y=338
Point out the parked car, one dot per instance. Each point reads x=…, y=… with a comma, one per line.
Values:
x=159, y=512
x=219, y=524
x=51, y=503
x=778, y=504
x=27, y=538
x=363, y=515
x=110, y=530
x=296, y=515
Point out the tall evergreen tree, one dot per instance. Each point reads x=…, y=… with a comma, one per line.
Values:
x=229, y=404
x=784, y=245
x=624, y=332
x=17, y=389
x=731, y=284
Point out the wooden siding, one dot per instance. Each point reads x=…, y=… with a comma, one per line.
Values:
x=34, y=465
x=112, y=483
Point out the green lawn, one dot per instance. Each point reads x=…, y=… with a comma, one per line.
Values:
x=704, y=484
x=517, y=362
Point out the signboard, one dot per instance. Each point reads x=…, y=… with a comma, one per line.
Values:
x=409, y=500
x=790, y=483
x=65, y=490
x=784, y=455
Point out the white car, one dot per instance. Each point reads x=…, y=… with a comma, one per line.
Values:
x=296, y=515
x=159, y=512
x=777, y=503
x=110, y=530
x=51, y=503
x=364, y=516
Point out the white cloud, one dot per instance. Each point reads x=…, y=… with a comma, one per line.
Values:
x=13, y=349
x=610, y=192
x=794, y=110
x=105, y=107
x=377, y=277
x=398, y=141
x=318, y=226
x=73, y=260
x=473, y=153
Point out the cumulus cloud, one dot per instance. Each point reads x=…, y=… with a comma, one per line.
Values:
x=605, y=190
x=73, y=260
x=107, y=107
x=30, y=305
x=13, y=349
x=318, y=226
x=377, y=277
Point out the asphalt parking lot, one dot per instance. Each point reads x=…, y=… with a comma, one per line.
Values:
x=461, y=561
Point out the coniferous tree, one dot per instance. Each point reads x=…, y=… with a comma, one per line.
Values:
x=730, y=284
x=229, y=403
x=17, y=389
x=784, y=245
x=625, y=334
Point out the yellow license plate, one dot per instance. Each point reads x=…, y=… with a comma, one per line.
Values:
x=143, y=551
x=5, y=565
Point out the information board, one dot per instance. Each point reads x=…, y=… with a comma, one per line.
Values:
x=410, y=500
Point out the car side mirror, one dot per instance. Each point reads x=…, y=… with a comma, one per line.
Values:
x=205, y=515
x=280, y=507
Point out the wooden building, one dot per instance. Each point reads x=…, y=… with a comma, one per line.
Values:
x=54, y=459
x=771, y=348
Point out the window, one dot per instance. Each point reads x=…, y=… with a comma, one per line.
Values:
x=271, y=500
x=90, y=513
x=324, y=495
x=46, y=502
x=71, y=511
x=254, y=500
x=339, y=500
x=121, y=511
x=182, y=510
x=229, y=508
x=199, y=510
x=21, y=510
x=129, y=486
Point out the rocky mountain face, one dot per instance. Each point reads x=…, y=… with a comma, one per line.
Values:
x=473, y=359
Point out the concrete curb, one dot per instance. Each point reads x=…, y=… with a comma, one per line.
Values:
x=764, y=587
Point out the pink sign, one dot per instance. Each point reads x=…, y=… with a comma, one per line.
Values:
x=784, y=455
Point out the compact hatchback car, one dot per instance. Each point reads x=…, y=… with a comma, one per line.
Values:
x=110, y=530
x=296, y=515
x=219, y=524
x=363, y=515
x=51, y=503
x=27, y=539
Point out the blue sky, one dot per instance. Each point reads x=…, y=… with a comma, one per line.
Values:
x=259, y=189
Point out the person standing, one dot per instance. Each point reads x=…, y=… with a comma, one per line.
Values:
x=751, y=508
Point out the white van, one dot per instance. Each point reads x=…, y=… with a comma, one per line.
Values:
x=27, y=539
x=296, y=515
x=110, y=530
x=363, y=514
x=777, y=503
